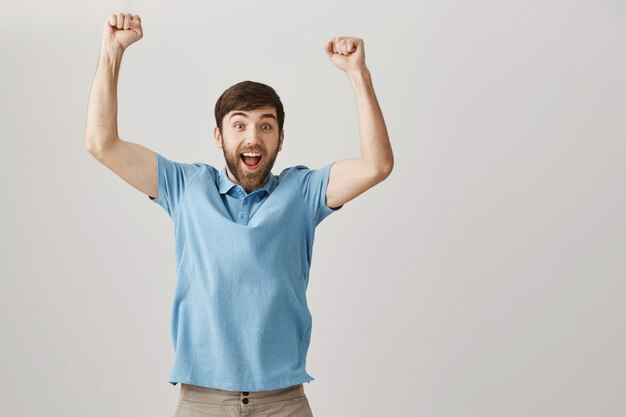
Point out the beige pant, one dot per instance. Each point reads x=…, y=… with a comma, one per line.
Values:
x=198, y=401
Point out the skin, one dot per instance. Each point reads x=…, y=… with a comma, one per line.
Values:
x=253, y=131
x=137, y=164
x=351, y=177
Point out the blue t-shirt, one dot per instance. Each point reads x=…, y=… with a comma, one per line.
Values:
x=240, y=319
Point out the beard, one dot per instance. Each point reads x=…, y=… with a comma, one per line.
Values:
x=250, y=180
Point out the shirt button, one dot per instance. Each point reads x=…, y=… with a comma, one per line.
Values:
x=245, y=401
x=245, y=393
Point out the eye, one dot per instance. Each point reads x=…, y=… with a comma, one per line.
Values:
x=237, y=124
x=268, y=126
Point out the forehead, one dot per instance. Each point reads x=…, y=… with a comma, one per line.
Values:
x=260, y=113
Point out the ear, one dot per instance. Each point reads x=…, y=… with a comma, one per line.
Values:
x=218, y=137
x=281, y=138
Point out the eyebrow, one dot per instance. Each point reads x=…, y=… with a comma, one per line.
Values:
x=245, y=116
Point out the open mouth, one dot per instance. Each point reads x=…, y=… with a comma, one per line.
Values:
x=251, y=159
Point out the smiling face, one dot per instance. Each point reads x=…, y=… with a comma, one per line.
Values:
x=250, y=140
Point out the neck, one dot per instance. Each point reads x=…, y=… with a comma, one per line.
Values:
x=233, y=179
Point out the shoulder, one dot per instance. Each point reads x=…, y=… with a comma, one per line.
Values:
x=206, y=171
x=202, y=167
x=294, y=173
x=304, y=171
x=294, y=170
x=209, y=169
x=305, y=177
x=189, y=169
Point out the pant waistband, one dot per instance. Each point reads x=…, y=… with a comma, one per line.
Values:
x=216, y=396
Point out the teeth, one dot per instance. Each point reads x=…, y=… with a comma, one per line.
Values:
x=251, y=154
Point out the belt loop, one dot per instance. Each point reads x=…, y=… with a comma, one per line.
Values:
x=183, y=390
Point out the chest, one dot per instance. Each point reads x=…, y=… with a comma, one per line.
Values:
x=256, y=223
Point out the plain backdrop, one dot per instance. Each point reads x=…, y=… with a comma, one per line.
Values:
x=484, y=277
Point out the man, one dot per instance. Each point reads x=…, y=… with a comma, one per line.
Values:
x=241, y=326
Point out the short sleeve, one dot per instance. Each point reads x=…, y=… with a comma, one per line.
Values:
x=313, y=184
x=174, y=178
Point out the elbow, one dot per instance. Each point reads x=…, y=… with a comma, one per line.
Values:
x=377, y=170
x=96, y=145
x=89, y=145
x=92, y=147
x=385, y=169
x=381, y=173
x=389, y=167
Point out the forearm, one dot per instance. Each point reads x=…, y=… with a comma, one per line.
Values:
x=375, y=147
x=101, y=126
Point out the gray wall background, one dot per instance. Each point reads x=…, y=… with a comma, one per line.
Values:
x=485, y=277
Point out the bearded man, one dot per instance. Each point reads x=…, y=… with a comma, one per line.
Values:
x=241, y=326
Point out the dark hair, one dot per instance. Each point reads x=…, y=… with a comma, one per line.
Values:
x=248, y=95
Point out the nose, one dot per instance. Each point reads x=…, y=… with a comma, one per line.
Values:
x=253, y=136
x=252, y=139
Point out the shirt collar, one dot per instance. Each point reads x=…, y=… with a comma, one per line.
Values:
x=225, y=184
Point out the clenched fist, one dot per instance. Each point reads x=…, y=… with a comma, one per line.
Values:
x=122, y=30
x=347, y=53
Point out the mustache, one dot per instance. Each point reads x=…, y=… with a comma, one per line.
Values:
x=253, y=149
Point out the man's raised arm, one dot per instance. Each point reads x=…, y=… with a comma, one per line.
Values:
x=351, y=177
x=135, y=164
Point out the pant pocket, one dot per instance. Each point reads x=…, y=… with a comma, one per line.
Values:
x=193, y=409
